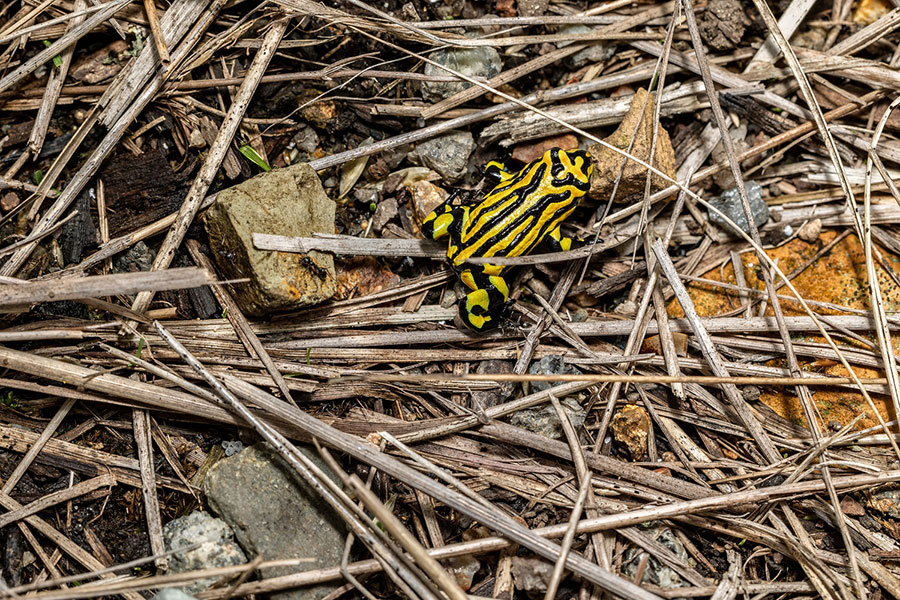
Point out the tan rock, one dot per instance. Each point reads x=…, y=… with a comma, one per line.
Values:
x=288, y=202
x=654, y=344
x=631, y=427
x=9, y=201
x=608, y=163
x=425, y=198
x=869, y=11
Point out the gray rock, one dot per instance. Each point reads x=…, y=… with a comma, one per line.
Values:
x=275, y=515
x=656, y=572
x=474, y=62
x=386, y=210
x=448, y=154
x=217, y=547
x=553, y=364
x=365, y=195
x=289, y=202
x=305, y=140
x=730, y=204
x=531, y=574
x=578, y=315
x=594, y=53
x=544, y=420
x=484, y=399
x=886, y=500
x=172, y=594
x=138, y=258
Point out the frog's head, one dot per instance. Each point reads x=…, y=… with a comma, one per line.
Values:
x=570, y=167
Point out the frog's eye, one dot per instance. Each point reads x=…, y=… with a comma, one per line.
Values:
x=581, y=162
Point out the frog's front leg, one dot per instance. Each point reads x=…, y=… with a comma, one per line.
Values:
x=557, y=242
x=495, y=173
x=437, y=222
x=483, y=307
x=452, y=212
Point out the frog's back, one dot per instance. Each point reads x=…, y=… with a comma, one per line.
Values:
x=516, y=215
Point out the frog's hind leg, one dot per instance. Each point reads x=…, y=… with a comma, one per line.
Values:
x=557, y=242
x=484, y=306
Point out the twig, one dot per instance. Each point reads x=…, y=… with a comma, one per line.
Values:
x=77, y=490
x=19, y=294
x=36, y=448
x=61, y=44
x=158, y=39
x=310, y=473
x=121, y=107
x=603, y=523
x=493, y=519
x=567, y=540
x=141, y=423
x=241, y=325
x=712, y=355
x=214, y=158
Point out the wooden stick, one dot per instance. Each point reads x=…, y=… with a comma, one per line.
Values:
x=540, y=62
x=13, y=295
x=52, y=92
x=63, y=495
x=242, y=326
x=602, y=523
x=495, y=520
x=38, y=446
x=594, y=378
x=158, y=38
x=84, y=460
x=122, y=105
x=214, y=158
x=712, y=356
x=348, y=244
x=60, y=45
x=606, y=328
x=81, y=555
x=141, y=424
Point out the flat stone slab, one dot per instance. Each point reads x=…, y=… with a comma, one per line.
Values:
x=276, y=515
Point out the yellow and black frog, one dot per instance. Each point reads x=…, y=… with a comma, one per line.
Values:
x=520, y=211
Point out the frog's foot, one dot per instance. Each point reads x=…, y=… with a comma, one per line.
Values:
x=476, y=317
x=484, y=307
x=450, y=214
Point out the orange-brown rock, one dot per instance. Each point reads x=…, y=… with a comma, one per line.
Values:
x=608, y=163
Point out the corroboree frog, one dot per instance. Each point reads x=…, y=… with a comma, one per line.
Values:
x=520, y=211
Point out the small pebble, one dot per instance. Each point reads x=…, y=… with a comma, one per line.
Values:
x=448, y=154
x=9, y=201
x=232, y=447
